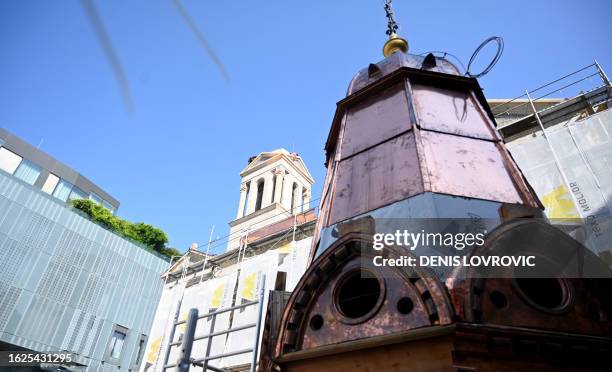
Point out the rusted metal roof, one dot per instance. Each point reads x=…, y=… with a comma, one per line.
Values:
x=371, y=179
x=394, y=62
x=414, y=136
x=376, y=119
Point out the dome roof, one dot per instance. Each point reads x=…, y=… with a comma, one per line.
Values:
x=395, y=61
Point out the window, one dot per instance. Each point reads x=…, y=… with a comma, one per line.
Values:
x=246, y=199
x=95, y=197
x=9, y=161
x=260, y=187
x=28, y=172
x=50, y=183
x=108, y=206
x=140, y=349
x=273, y=187
x=116, y=342
x=62, y=191
x=293, y=195
x=77, y=193
x=98, y=199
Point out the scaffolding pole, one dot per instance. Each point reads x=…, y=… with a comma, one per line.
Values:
x=555, y=156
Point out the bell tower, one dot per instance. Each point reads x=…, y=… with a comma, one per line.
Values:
x=274, y=185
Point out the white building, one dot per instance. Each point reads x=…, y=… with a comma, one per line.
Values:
x=274, y=185
x=270, y=236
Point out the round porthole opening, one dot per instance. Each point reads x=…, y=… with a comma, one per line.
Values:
x=316, y=322
x=498, y=299
x=358, y=294
x=547, y=294
x=405, y=305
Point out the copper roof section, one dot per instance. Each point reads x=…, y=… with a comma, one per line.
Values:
x=465, y=322
x=411, y=131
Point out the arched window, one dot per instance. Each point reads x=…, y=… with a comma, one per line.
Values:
x=293, y=197
x=246, y=199
x=260, y=188
x=273, y=187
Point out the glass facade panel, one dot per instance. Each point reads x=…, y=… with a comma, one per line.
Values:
x=140, y=349
x=95, y=197
x=108, y=206
x=60, y=286
x=50, y=183
x=117, y=344
x=9, y=161
x=77, y=193
x=28, y=172
x=62, y=191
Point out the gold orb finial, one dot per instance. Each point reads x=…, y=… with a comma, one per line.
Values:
x=395, y=43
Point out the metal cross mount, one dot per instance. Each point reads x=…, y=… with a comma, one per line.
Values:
x=392, y=26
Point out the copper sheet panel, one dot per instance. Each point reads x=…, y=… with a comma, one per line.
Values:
x=450, y=111
x=377, y=177
x=467, y=167
x=376, y=119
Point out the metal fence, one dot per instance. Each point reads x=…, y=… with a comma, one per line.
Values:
x=185, y=361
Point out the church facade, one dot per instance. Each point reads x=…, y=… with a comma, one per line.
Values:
x=270, y=238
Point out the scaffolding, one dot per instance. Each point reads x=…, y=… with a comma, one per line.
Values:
x=185, y=361
x=520, y=114
x=563, y=147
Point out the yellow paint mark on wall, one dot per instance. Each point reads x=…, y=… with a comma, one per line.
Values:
x=181, y=328
x=153, y=350
x=248, y=288
x=217, y=296
x=284, y=248
x=559, y=204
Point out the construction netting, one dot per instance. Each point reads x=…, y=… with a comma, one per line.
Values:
x=570, y=168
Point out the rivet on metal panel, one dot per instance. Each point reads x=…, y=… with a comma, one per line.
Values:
x=296, y=316
x=290, y=337
x=327, y=266
x=313, y=282
x=302, y=298
x=342, y=253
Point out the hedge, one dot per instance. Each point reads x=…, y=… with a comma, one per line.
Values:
x=151, y=236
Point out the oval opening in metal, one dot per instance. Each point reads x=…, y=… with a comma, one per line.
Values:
x=358, y=294
x=547, y=294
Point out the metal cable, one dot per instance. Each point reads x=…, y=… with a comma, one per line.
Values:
x=226, y=238
x=546, y=85
x=444, y=54
x=498, y=54
x=546, y=95
x=239, y=236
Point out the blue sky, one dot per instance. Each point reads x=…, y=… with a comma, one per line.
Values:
x=174, y=160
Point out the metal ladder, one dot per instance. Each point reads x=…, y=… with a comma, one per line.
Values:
x=185, y=361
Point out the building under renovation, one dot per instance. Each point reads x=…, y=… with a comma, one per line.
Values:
x=267, y=249
x=564, y=149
